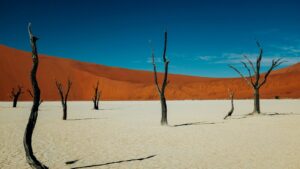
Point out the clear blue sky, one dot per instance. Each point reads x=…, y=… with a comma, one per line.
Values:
x=204, y=36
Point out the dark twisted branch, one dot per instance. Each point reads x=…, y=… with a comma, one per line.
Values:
x=250, y=63
x=27, y=139
x=249, y=72
x=155, y=73
x=275, y=63
x=235, y=69
x=258, y=62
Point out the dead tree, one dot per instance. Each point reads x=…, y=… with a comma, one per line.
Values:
x=231, y=95
x=31, y=159
x=64, y=97
x=161, y=90
x=30, y=93
x=254, y=77
x=96, y=97
x=15, y=94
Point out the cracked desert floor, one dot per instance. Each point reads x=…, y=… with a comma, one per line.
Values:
x=128, y=135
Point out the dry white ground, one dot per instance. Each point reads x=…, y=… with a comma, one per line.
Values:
x=122, y=132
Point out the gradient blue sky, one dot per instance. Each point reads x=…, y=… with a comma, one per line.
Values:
x=204, y=36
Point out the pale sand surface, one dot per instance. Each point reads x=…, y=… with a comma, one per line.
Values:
x=131, y=129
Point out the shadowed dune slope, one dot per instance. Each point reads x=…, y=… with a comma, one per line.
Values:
x=124, y=84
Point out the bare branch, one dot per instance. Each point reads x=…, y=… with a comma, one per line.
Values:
x=16, y=93
x=30, y=93
x=98, y=95
x=32, y=96
x=12, y=93
x=166, y=63
x=33, y=40
x=165, y=47
x=96, y=92
x=258, y=61
x=97, y=84
x=250, y=62
x=247, y=80
x=249, y=72
x=165, y=82
x=68, y=90
x=155, y=72
x=60, y=90
x=275, y=63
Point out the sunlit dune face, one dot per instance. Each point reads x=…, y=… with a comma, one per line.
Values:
x=125, y=84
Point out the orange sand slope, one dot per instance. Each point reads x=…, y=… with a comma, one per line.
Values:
x=124, y=84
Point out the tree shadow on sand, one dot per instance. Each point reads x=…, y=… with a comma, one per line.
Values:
x=195, y=123
x=237, y=117
x=71, y=162
x=262, y=114
x=115, y=162
x=279, y=114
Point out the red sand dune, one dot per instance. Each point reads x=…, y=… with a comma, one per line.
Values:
x=125, y=84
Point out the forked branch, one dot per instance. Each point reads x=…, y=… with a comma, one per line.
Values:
x=247, y=80
x=15, y=94
x=64, y=97
x=30, y=93
x=155, y=73
x=275, y=63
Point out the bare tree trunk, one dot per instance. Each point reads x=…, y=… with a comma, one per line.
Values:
x=15, y=101
x=65, y=108
x=164, y=110
x=231, y=95
x=96, y=97
x=96, y=107
x=161, y=90
x=31, y=159
x=256, y=102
